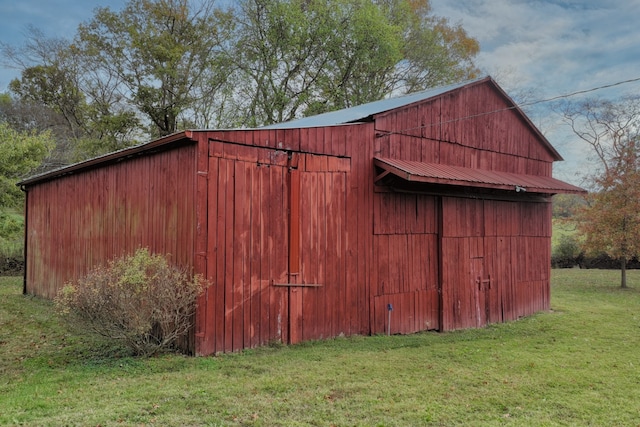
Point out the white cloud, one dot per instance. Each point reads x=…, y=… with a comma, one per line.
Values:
x=554, y=47
x=560, y=45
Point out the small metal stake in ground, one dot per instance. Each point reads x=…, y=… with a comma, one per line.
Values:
x=390, y=309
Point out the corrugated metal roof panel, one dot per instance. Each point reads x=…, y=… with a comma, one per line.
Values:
x=361, y=112
x=435, y=173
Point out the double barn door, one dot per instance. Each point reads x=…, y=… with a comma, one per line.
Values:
x=276, y=237
x=440, y=262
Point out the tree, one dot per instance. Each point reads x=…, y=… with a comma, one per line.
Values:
x=435, y=52
x=300, y=57
x=20, y=153
x=159, y=66
x=24, y=115
x=162, y=55
x=564, y=206
x=610, y=222
x=57, y=80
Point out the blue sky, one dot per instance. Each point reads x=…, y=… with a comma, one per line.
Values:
x=546, y=47
x=551, y=48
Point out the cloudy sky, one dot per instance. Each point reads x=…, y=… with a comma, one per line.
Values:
x=544, y=47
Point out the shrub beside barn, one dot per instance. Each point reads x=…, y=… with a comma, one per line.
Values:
x=435, y=205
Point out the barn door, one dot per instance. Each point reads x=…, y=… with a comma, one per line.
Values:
x=247, y=253
x=275, y=254
x=467, y=275
x=317, y=273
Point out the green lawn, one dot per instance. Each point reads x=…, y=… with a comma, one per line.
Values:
x=576, y=365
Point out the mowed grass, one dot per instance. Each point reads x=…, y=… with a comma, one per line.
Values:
x=577, y=365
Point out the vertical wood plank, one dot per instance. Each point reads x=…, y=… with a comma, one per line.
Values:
x=294, y=222
x=246, y=271
x=229, y=283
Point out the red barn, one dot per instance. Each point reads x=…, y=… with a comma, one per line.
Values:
x=435, y=204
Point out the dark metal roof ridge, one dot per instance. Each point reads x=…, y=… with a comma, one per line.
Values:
x=107, y=158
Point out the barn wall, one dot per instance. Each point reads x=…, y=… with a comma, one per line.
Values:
x=494, y=257
x=81, y=220
x=474, y=127
x=441, y=262
x=405, y=263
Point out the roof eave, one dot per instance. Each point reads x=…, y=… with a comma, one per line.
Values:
x=109, y=158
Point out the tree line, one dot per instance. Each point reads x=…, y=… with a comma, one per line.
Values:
x=160, y=66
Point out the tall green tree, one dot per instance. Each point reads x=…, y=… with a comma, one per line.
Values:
x=610, y=222
x=163, y=54
x=301, y=57
x=159, y=66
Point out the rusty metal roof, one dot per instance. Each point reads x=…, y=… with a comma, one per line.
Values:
x=435, y=173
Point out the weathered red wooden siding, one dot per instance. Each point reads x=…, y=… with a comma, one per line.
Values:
x=474, y=127
x=495, y=260
x=441, y=262
x=83, y=219
x=405, y=263
x=281, y=253
x=296, y=240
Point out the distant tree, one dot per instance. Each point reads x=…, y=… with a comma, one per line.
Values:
x=58, y=80
x=32, y=116
x=610, y=222
x=565, y=206
x=20, y=153
x=435, y=51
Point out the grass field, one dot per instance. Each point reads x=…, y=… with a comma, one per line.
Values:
x=577, y=365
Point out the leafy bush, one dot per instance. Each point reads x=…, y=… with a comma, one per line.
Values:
x=605, y=262
x=567, y=253
x=139, y=300
x=11, y=242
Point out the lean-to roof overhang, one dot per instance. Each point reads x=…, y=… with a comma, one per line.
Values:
x=434, y=173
